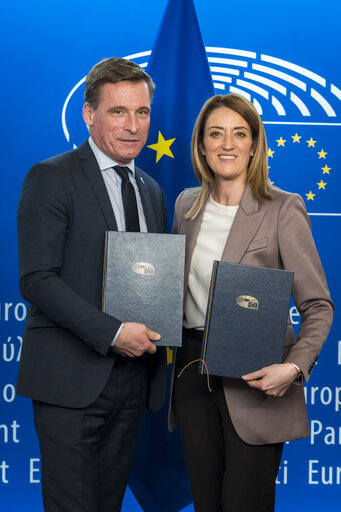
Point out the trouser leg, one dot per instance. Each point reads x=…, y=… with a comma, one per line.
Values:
x=86, y=454
x=250, y=470
x=226, y=474
x=119, y=439
x=200, y=428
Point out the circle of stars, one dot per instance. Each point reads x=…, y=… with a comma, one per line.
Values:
x=321, y=155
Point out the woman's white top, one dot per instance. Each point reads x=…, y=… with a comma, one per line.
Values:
x=214, y=230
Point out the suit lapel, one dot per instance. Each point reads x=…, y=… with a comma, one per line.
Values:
x=244, y=227
x=146, y=202
x=90, y=167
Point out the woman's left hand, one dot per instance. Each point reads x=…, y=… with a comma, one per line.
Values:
x=274, y=380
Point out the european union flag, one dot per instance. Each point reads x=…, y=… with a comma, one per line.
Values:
x=303, y=159
x=179, y=67
x=180, y=70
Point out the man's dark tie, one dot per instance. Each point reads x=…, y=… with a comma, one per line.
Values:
x=129, y=199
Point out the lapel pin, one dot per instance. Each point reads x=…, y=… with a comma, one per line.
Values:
x=142, y=180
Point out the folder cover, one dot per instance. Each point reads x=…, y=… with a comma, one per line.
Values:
x=246, y=318
x=143, y=281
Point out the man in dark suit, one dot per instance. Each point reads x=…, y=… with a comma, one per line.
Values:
x=89, y=375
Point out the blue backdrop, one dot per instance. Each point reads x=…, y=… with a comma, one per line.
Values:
x=285, y=58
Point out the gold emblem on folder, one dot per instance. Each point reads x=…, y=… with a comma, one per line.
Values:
x=248, y=302
x=141, y=267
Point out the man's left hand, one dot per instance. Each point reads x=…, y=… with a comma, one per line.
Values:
x=274, y=380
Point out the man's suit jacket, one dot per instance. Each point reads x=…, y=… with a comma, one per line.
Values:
x=276, y=234
x=64, y=211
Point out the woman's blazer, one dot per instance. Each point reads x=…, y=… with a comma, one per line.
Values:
x=276, y=234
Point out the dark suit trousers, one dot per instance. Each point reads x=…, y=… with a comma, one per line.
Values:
x=86, y=454
x=226, y=474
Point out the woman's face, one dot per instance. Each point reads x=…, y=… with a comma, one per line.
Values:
x=227, y=144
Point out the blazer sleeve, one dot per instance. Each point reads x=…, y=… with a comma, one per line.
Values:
x=310, y=290
x=176, y=219
x=44, y=216
x=183, y=203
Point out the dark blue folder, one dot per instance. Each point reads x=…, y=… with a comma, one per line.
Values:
x=246, y=318
x=143, y=281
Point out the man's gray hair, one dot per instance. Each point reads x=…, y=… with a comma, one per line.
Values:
x=113, y=70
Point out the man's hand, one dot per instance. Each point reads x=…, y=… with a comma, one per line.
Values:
x=274, y=380
x=135, y=339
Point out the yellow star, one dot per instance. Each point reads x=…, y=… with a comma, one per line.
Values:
x=311, y=142
x=271, y=182
x=296, y=138
x=326, y=169
x=310, y=195
x=322, y=184
x=162, y=147
x=280, y=142
x=270, y=153
x=322, y=154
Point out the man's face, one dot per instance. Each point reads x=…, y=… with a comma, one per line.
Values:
x=120, y=123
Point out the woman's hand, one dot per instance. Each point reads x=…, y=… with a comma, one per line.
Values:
x=273, y=380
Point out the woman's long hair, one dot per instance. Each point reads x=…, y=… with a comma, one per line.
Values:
x=257, y=172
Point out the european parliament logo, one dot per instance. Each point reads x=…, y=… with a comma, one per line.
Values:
x=300, y=110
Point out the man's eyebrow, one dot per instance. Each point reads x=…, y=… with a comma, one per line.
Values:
x=121, y=107
x=116, y=107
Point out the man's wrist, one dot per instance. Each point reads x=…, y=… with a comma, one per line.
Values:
x=112, y=344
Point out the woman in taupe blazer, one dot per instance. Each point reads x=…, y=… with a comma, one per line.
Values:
x=233, y=436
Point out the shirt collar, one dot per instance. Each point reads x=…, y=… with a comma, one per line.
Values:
x=104, y=161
